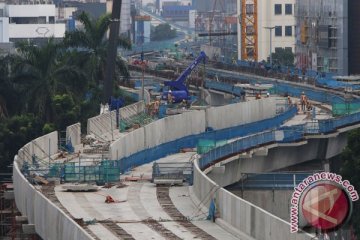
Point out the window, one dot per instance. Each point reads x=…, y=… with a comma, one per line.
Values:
x=278, y=31
x=288, y=9
x=288, y=31
x=278, y=9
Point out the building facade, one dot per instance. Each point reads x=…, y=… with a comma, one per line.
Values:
x=322, y=36
x=270, y=16
x=29, y=22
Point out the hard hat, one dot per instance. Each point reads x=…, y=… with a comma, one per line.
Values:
x=170, y=91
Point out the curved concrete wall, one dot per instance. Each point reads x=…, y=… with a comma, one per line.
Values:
x=240, y=113
x=40, y=147
x=240, y=214
x=156, y=133
x=50, y=222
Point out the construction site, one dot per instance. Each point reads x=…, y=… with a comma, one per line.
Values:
x=207, y=150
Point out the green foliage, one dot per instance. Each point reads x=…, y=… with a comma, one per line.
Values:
x=92, y=41
x=48, y=128
x=46, y=88
x=65, y=110
x=283, y=56
x=162, y=32
x=15, y=132
x=351, y=171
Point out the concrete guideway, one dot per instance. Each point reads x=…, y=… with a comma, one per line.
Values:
x=142, y=216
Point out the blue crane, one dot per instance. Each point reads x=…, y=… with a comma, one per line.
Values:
x=177, y=88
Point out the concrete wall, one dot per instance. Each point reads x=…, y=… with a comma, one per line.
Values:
x=240, y=214
x=42, y=147
x=73, y=133
x=278, y=157
x=158, y=132
x=131, y=110
x=276, y=202
x=102, y=124
x=50, y=222
x=240, y=113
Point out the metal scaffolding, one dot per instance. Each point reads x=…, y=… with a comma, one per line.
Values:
x=249, y=31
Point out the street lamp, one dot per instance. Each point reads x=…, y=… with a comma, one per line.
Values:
x=270, y=28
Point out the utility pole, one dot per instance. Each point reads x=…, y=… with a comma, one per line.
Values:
x=270, y=28
x=112, y=49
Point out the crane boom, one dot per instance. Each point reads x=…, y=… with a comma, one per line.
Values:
x=178, y=84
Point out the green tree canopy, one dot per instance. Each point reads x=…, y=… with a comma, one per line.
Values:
x=93, y=41
x=162, y=32
x=42, y=72
x=283, y=56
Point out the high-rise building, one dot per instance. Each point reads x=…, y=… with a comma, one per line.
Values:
x=322, y=35
x=260, y=18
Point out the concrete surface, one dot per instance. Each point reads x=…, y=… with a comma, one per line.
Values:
x=141, y=204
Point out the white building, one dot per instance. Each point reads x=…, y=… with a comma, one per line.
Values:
x=23, y=22
x=272, y=13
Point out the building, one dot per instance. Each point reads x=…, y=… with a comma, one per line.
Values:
x=260, y=18
x=29, y=22
x=176, y=13
x=322, y=39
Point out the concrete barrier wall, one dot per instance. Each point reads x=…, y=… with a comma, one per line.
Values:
x=128, y=144
x=174, y=127
x=102, y=124
x=73, y=133
x=240, y=113
x=131, y=110
x=50, y=222
x=161, y=131
x=41, y=147
x=240, y=214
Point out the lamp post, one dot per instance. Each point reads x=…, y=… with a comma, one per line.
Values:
x=270, y=28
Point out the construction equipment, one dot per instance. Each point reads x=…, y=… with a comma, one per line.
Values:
x=177, y=90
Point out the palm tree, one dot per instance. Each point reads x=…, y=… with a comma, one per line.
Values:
x=92, y=39
x=43, y=72
x=8, y=97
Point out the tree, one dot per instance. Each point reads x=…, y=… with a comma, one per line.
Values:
x=351, y=171
x=92, y=40
x=283, y=57
x=162, y=32
x=9, y=99
x=15, y=132
x=42, y=72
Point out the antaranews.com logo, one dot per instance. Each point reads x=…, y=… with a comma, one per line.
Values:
x=323, y=201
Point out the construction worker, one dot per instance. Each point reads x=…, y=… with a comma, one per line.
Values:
x=170, y=97
x=303, y=101
x=289, y=100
